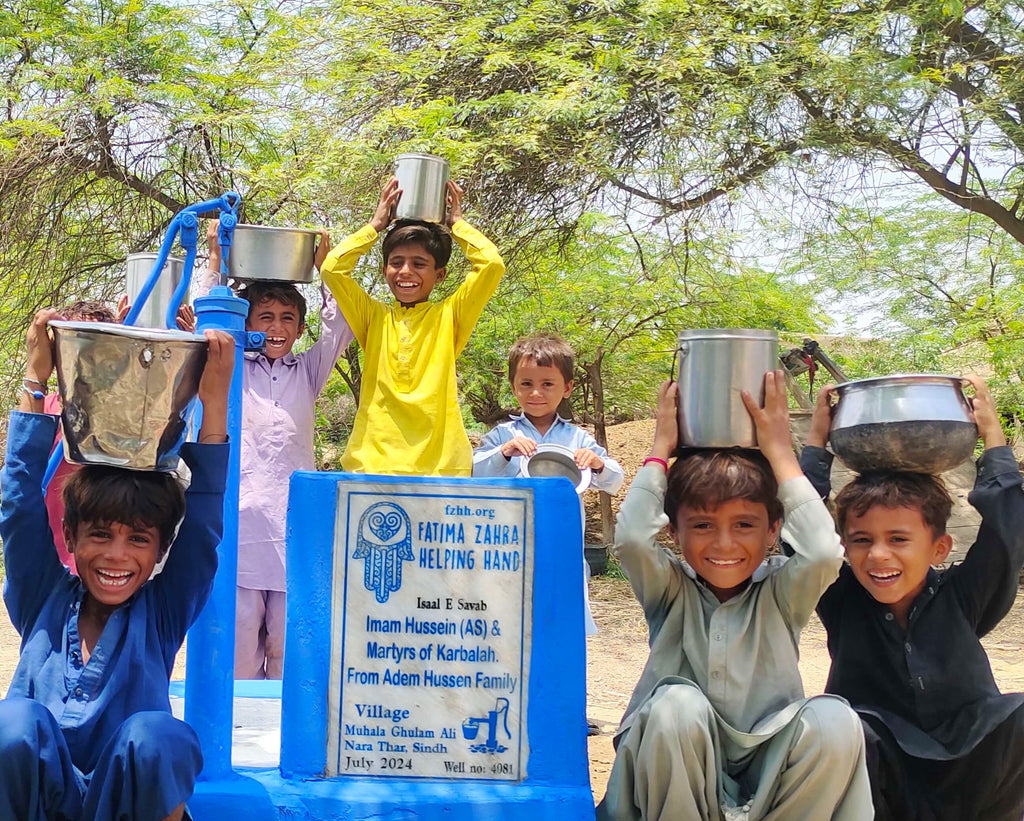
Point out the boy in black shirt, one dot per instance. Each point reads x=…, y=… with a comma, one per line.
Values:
x=942, y=742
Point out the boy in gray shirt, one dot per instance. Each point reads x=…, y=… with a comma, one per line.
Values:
x=718, y=725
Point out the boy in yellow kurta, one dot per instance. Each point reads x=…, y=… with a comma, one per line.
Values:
x=408, y=420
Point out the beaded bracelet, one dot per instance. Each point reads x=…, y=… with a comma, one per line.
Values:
x=657, y=459
x=34, y=394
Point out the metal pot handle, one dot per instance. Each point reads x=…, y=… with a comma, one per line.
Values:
x=682, y=349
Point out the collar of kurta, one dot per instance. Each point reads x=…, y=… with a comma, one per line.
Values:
x=419, y=306
x=521, y=417
x=257, y=356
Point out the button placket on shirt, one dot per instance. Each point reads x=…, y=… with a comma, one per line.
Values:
x=273, y=383
x=917, y=681
x=403, y=370
x=718, y=635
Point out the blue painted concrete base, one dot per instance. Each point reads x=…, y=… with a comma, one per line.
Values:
x=263, y=795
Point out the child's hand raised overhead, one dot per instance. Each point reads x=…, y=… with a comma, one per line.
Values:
x=213, y=244
x=666, y=428
x=323, y=247
x=454, y=203
x=821, y=419
x=519, y=445
x=215, y=385
x=40, y=361
x=772, y=426
x=40, y=347
x=985, y=415
x=385, y=213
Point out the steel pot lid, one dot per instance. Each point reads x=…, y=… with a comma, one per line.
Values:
x=555, y=460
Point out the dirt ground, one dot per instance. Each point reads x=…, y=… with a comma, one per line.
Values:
x=616, y=655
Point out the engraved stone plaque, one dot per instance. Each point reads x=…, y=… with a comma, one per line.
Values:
x=431, y=633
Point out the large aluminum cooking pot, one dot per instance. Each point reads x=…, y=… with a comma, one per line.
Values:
x=139, y=267
x=278, y=254
x=914, y=422
x=126, y=392
x=423, y=179
x=714, y=366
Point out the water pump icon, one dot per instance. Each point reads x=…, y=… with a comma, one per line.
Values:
x=471, y=728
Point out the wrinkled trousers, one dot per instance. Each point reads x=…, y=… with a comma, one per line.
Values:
x=679, y=762
x=144, y=772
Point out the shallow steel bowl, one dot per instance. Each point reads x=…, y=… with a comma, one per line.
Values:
x=260, y=252
x=913, y=422
x=555, y=460
x=126, y=392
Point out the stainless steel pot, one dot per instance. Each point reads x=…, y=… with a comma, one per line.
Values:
x=914, y=422
x=139, y=267
x=423, y=179
x=714, y=366
x=126, y=392
x=277, y=254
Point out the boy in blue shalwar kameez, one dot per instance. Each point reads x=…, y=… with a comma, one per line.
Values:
x=85, y=729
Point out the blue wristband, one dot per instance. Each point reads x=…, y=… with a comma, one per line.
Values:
x=34, y=394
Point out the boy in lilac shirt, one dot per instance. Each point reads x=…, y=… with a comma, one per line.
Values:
x=278, y=414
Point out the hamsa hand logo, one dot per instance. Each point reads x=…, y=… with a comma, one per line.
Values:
x=384, y=541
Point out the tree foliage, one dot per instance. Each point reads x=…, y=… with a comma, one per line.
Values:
x=946, y=287
x=600, y=142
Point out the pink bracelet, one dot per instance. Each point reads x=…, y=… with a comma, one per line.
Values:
x=657, y=459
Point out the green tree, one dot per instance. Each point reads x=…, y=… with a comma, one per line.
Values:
x=946, y=287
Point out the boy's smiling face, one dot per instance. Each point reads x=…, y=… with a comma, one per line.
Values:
x=279, y=322
x=890, y=550
x=114, y=560
x=726, y=544
x=539, y=389
x=411, y=273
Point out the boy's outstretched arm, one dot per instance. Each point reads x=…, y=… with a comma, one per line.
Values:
x=815, y=461
x=807, y=526
x=336, y=270
x=215, y=386
x=772, y=425
x=183, y=586
x=335, y=334
x=469, y=301
x=39, y=364
x=986, y=581
x=30, y=558
x=649, y=568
